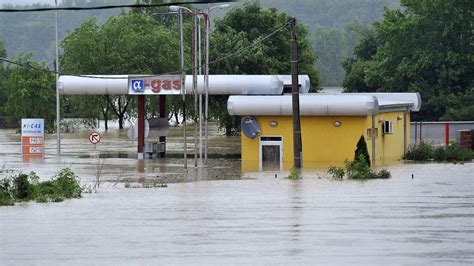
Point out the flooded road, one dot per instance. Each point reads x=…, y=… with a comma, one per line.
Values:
x=255, y=219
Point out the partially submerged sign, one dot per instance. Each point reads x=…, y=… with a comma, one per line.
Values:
x=94, y=137
x=32, y=137
x=154, y=85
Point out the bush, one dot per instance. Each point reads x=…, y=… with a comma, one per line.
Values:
x=6, y=188
x=336, y=172
x=358, y=169
x=422, y=152
x=384, y=173
x=23, y=187
x=294, y=174
x=450, y=153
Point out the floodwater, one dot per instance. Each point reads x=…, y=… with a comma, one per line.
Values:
x=218, y=216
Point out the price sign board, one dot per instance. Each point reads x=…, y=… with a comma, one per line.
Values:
x=32, y=137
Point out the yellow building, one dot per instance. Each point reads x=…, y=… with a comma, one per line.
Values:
x=331, y=125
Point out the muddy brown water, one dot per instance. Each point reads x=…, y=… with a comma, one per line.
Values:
x=217, y=216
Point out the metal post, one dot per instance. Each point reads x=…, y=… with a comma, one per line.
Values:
x=421, y=126
x=416, y=133
x=297, y=143
x=195, y=87
x=405, y=132
x=373, y=139
x=58, y=118
x=206, y=85
x=141, y=125
x=163, y=115
x=200, y=94
x=183, y=89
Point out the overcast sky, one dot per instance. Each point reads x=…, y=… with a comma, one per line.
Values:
x=24, y=2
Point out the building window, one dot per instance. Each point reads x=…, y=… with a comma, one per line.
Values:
x=369, y=133
x=387, y=127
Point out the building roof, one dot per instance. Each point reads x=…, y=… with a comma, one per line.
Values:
x=315, y=104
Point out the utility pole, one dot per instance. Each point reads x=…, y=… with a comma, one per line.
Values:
x=183, y=89
x=58, y=113
x=297, y=144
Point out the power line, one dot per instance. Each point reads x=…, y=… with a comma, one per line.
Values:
x=238, y=52
x=42, y=9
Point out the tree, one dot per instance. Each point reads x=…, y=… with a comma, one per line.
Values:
x=426, y=46
x=30, y=93
x=361, y=149
x=128, y=43
x=3, y=76
x=243, y=29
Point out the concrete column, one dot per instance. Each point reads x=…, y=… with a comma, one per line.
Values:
x=163, y=115
x=141, y=125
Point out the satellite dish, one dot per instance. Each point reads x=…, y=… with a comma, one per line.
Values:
x=250, y=126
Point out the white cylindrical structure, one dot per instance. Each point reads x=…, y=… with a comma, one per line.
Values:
x=238, y=84
x=303, y=81
x=393, y=98
x=93, y=85
x=218, y=84
x=310, y=104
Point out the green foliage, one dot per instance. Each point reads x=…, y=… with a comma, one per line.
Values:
x=29, y=93
x=361, y=149
x=427, y=152
x=357, y=169
x=294, y=174
x=242, y=29
x=425, y=46
x=3, y=52
x=128, y=43
x=336, y=172
x=26, y=187
x=6, y=192
x=422, y=152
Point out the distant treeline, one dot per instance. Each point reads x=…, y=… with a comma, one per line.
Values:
x=332, y=24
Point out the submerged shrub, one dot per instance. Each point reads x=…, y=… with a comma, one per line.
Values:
x=336, y=172
x=294, y=174
x=23, y=187
x=384, y=173
x=450, y=153
x=422, y=152
x=68, y=184
x=6, y=197
x=358, y=169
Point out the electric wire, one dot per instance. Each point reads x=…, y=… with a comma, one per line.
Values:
x=42, y=9
x=238, y=52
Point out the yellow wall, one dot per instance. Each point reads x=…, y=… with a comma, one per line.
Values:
x=323, y=143
x=389, y=147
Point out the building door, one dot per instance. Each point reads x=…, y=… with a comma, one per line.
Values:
x=271, y=154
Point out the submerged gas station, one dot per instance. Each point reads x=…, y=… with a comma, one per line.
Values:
x=277, y=131
x=331, y=124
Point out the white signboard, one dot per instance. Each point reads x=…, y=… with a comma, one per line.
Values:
x=154, y=85
x=32, y=137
